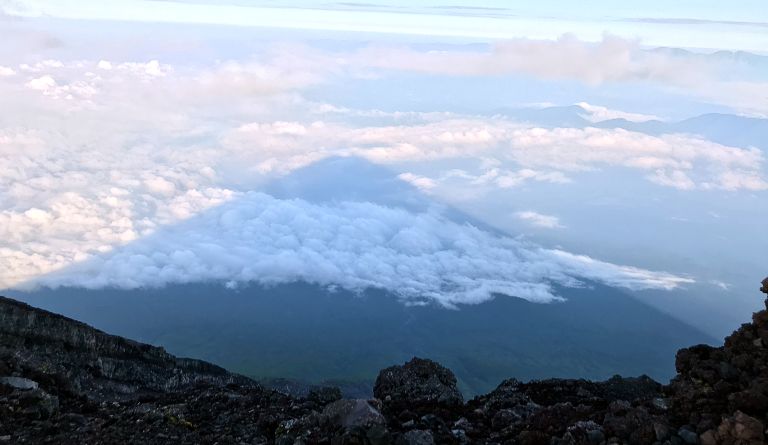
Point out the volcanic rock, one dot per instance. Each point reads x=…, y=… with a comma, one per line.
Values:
x=419, y=382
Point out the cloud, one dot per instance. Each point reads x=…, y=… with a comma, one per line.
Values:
x=539, y=220
x=675, y=178
x=70, y=195
x=596, y=113
x=97, y=156
x=611, y=60
x=513, y=179
x=692, y=21
x=505, y=178
x=421, y=182
x=720, y=284
x=356, y=245
x=675, y=160
x=90, y=209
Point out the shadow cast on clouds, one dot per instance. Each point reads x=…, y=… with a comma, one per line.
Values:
x=419, y=250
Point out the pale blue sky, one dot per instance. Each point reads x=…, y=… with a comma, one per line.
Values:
x=741, y=25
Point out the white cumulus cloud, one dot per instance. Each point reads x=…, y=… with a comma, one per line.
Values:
x=675, y=160
x=539, y=220
x=420, y=182
x=597, y=113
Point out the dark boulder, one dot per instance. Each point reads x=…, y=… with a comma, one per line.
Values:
x=419, y=382
x=714, y=383
x=352, y=413
x=324, y=395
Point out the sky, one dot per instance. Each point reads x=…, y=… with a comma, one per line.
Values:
x=701, y=24
x=447, y=151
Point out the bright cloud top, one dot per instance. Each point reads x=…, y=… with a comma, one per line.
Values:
x=539, y=220
x=418, y=256
x=596, y=113
x=678, y=161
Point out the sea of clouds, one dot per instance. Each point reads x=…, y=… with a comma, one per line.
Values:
x=418, y=256
x=144, y=173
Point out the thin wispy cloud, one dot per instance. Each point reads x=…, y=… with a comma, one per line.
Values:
x=596, y=113
x=693, y=21
x=539, y=220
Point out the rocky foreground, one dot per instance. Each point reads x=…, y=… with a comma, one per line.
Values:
x=62, y=381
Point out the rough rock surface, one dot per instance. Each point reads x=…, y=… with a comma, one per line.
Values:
x=103, y=366
x=64, y=382
x=721, y=393
x=419, y=382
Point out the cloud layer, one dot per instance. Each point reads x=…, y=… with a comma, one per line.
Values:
x=139, y=173
x=418, y=256
x=680, y=161
x=611, y=60
x=112, y=158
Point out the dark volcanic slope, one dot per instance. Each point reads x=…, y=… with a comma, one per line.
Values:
x=64, y=382
x=103, y=366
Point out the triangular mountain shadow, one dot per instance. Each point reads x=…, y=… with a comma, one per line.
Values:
x=338, y=179
x=329, y=180
x=313, y=333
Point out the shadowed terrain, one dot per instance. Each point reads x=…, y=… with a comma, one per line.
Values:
x=64, y=382
x=305, y=332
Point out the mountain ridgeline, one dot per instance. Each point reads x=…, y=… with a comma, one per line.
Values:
x=62, y=381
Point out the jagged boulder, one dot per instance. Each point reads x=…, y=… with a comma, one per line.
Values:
x=19, y=383
x=417, y=437
x=352, y=413
x=718, y=389
x=419, y=382
x=739, y=429
x=324, y=395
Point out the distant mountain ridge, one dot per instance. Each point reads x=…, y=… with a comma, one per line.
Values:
x=726, y=129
